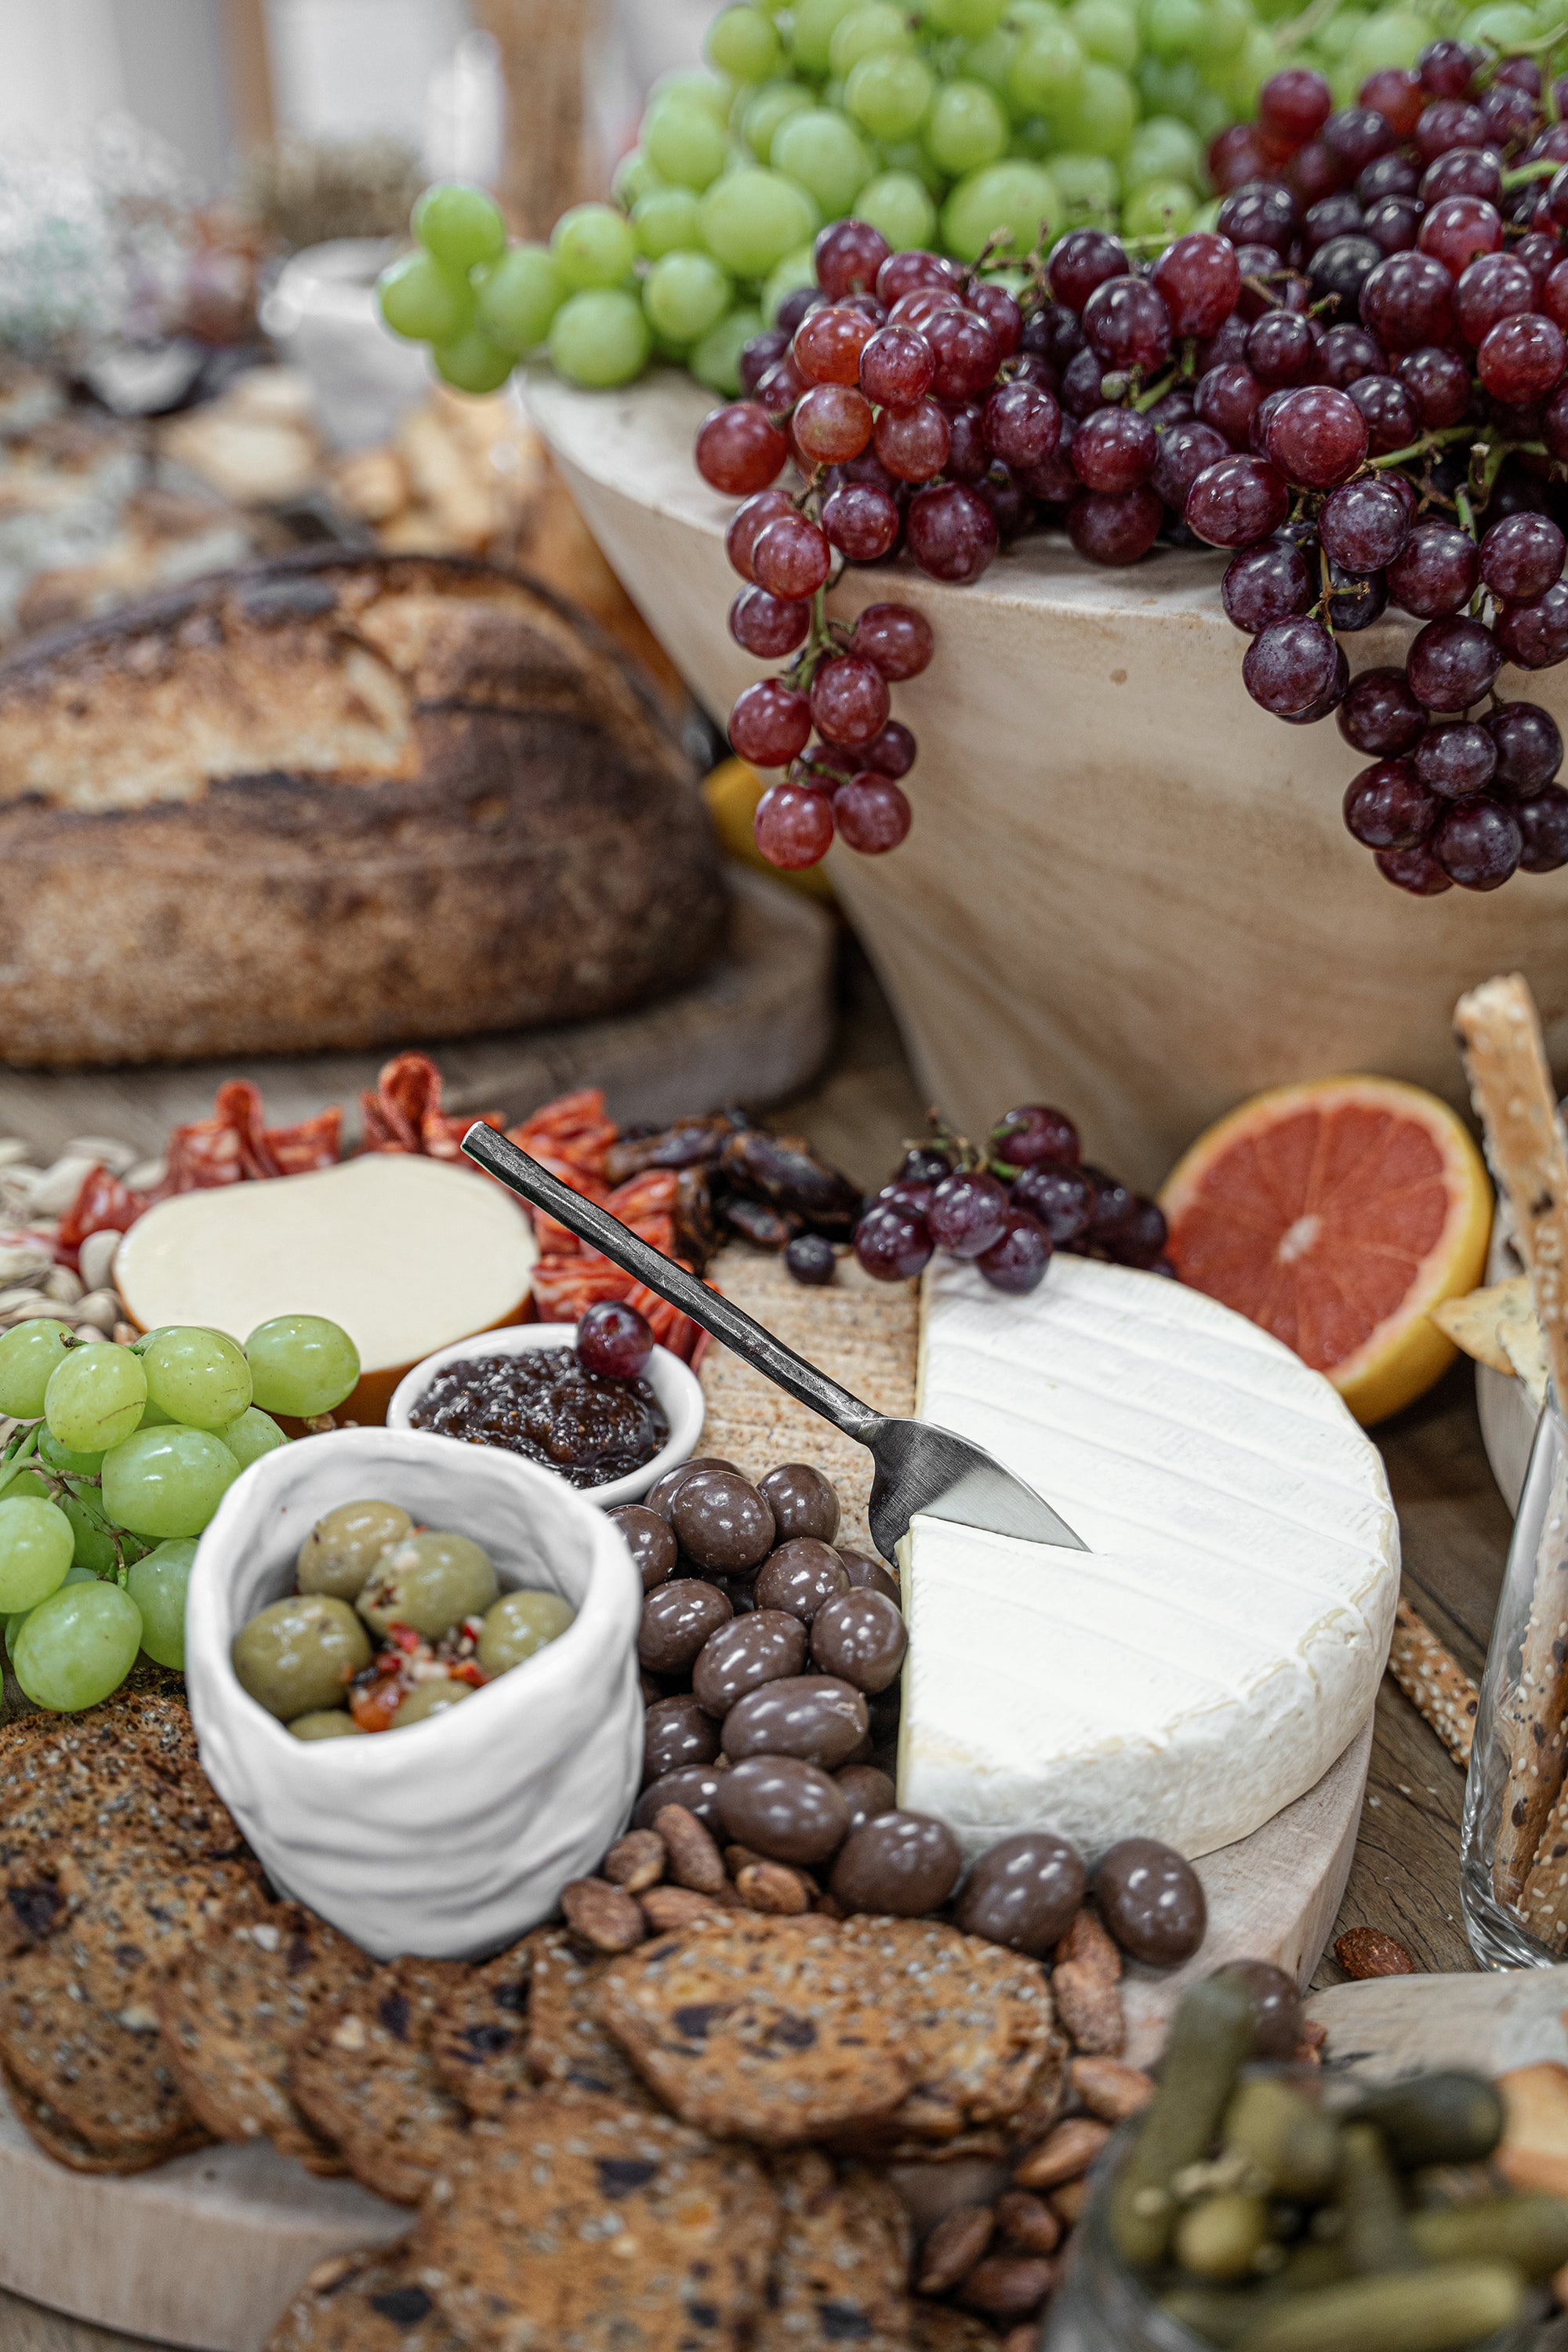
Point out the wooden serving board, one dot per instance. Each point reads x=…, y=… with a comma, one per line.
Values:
x=754, y=1028
x=205, y=2251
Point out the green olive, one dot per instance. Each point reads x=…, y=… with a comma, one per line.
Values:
x=520, y=1624
x=430, y=1581
x=300, y=1655
x=327, y=1723
x=430, y=1698
x=340, y=1551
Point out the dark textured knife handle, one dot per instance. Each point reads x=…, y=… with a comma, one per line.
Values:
x=717, y=1314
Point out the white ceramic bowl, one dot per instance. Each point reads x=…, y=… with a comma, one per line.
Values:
x=675, y=1384
x=455, y=1836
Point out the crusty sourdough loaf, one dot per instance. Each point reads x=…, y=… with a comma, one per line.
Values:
x=336, y=800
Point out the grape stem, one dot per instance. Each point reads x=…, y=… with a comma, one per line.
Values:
x=1311, y=20
x=20, y=1449
x=1547, y=168
x=1419, y=449
x=1156, y=392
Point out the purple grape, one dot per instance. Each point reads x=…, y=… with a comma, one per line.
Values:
x=1521, y=557
x=1542, y=822
x=614, y=1340
x=1261, y=212
x=1456, y=760
x=1387, y=807
x=1535, y=636
x=1392, y=419
x=1115, y=1207
x=1017, y=1260
x=1329, y=699
x=1281, y=349
x=1267, y=583
x=1364, y=524
x=1438, y=381
x=1389, y=175
x=1034, y=1134
x=1416, y=870
x=1290, y=665
x=1347, y=353
x=1391, y=223
x=1237, y=501
x=1186, y=448
x=1356, y=599
x=1435, y=571
x=1061, y=1197
x=908, y=1193
x=1143, y=1238
x=1477, y=844
x=1380, y=716
x=891, y=1245
x=1453, y=663
x=811, y=1259
x=1529, y=748
x=924, y=1163
x=968, y=1212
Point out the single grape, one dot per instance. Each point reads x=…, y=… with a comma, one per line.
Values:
x=848, y=256
x=1261, y=214
x=197, y=1376
x=1237, y=503
x=1281, y=349
x=1227, y=398
x=1521, y=358
x=1347, y=353
x=832, y=423
x=1083, y=383
x=1521, y=556
x=902, y=272
x=1542, y=822
x=872, y=812
x=1017, y=1259
x=811, y=1259
x=77, y=1646
x=890, y=753
x=423, y=301
x=158, y=1584
x=600, y=339
x=252, y=1435
x=1454, y=662
x=768, y=625
x=299, y=1364
x=1115, y=527
x=1142, y=1243
x=1199, y=281
x=1363, y=525
x=1447, y=67
x=793, y=826
x=1023, y=423
x=791, y=557
x=1416, y=870
x=1439, y=384
x=684, y=294
x=1268, y=584
x=1456, y=760
x=460, y=225
x=1477, y=843
x=614, y=1340
x=1339, y=270
x=1290, y=665
x=848, y=699
x=861, y=522
x=966, y=352
x=29, y=1353
x=36, y=1542
x=1000, y=312
x=891, y=1245
x=897, y=638
x=1035, y=1135
x=951, y=532
x=1535, y=635
x=1128, y=325
x=1185, y=447
x=1496, y=287
x=1336, y=215
x=1407, y=300
x=1293, y=105
x=1458, y=228
x=747, y=523
x=896, y=367
x=759, y=354
x=1449, y=124
x=755, y=221
x=740, y=450
x=1393, y=224
x=828, y=344
x=1435, y=571
x=913, y=445
x=168, y=1481
x=518, y=298
x=1318, y=436
x=95, y=1397
x=1529, y=748
x=743, y=43
x=473, y=364
x=1388, y=806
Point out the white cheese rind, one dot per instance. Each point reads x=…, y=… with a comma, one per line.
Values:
x=1221, y=1642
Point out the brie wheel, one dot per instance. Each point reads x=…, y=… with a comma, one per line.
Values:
x=1221, y=1641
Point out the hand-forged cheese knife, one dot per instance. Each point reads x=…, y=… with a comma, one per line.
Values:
x=919, y=1468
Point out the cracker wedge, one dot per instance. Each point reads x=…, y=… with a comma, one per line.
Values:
x=1476, y=1322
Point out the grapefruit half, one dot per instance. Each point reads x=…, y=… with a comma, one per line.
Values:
x=1337, y=1215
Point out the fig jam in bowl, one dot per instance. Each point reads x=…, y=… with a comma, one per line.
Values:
x=523, y=1391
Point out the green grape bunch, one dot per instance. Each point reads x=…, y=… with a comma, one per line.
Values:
x=967, y=126
x=121, y=1456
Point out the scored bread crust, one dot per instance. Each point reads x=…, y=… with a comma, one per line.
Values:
x=332, y=802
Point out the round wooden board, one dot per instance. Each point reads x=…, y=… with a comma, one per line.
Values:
x=205, y=2251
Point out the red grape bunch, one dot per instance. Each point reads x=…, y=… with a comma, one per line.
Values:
x=1358, y=383
x=1008, y=1205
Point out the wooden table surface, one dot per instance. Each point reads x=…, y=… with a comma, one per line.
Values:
x=1455, y=1526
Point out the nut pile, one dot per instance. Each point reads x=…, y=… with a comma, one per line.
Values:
x=33, y=1201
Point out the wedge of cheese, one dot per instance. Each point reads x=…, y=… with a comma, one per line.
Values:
x=407, y=1253
x=1219, y=1643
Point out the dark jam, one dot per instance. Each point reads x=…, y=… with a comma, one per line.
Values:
x=543, y=1405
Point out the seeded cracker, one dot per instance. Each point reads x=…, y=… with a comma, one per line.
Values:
x=364, y=2077
x=479, y=2044
x=233, y=2004
x=759, y=2028
x=1499, y=1034
x=840, y=2275
x=1434, y=1681
x=568, y=2048
x=364, y=2303
x=1543, y=1905
x=580, y=2223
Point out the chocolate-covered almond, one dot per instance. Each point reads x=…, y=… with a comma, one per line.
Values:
x=761, y=1647
x=902, y=1863
x=663, y=1491
x=814, y=1716
x=676, y=1619
x=722, y=1520
x=650, y=1539
x=868, y=1792
x=675, y=1732
x=1275, y=2006
x=868, y=1574
x=782, y=1807
x=1023, y=1892
x=803, y=1502
x=861, y=1637
x=800, y=1576
x=1151, y=1900
x=695, y=1786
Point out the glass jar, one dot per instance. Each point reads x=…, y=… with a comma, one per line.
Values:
x=1513, y=1892
x=1102, y=2305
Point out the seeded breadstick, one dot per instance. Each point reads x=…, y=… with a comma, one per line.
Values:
x=1543, y=1905
x=1499, y=1033
x=1435, y=1683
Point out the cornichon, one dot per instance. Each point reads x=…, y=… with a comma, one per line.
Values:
x=1377, y=2228
x=1450, y=2118
x=1530, y=2230
x=1293, y=2143
x=1219, y=2236
x=1415, y=2311
x=1210, y=2040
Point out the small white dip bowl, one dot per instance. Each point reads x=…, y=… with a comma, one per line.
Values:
x=454, y=1836
x=675, y=1384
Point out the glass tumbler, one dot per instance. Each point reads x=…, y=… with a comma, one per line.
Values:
x=1513, y=1877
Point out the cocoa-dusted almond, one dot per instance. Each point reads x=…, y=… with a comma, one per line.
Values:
x=1009, y=2286
x=953, y=2248
x=1110, y=2090
x=1308, y=2050
x=738, y=1858
x=1063, y=2154
x=1028, y=2220
x=826, y=1905
x=1089, y=2008
x=635, y=1862
x=1368, y=1952
x=694, y=1859
x=602, y=1914
x=773, y=1886
x=666, y=1907
x=1089, y=1944
x=1068, y=2201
